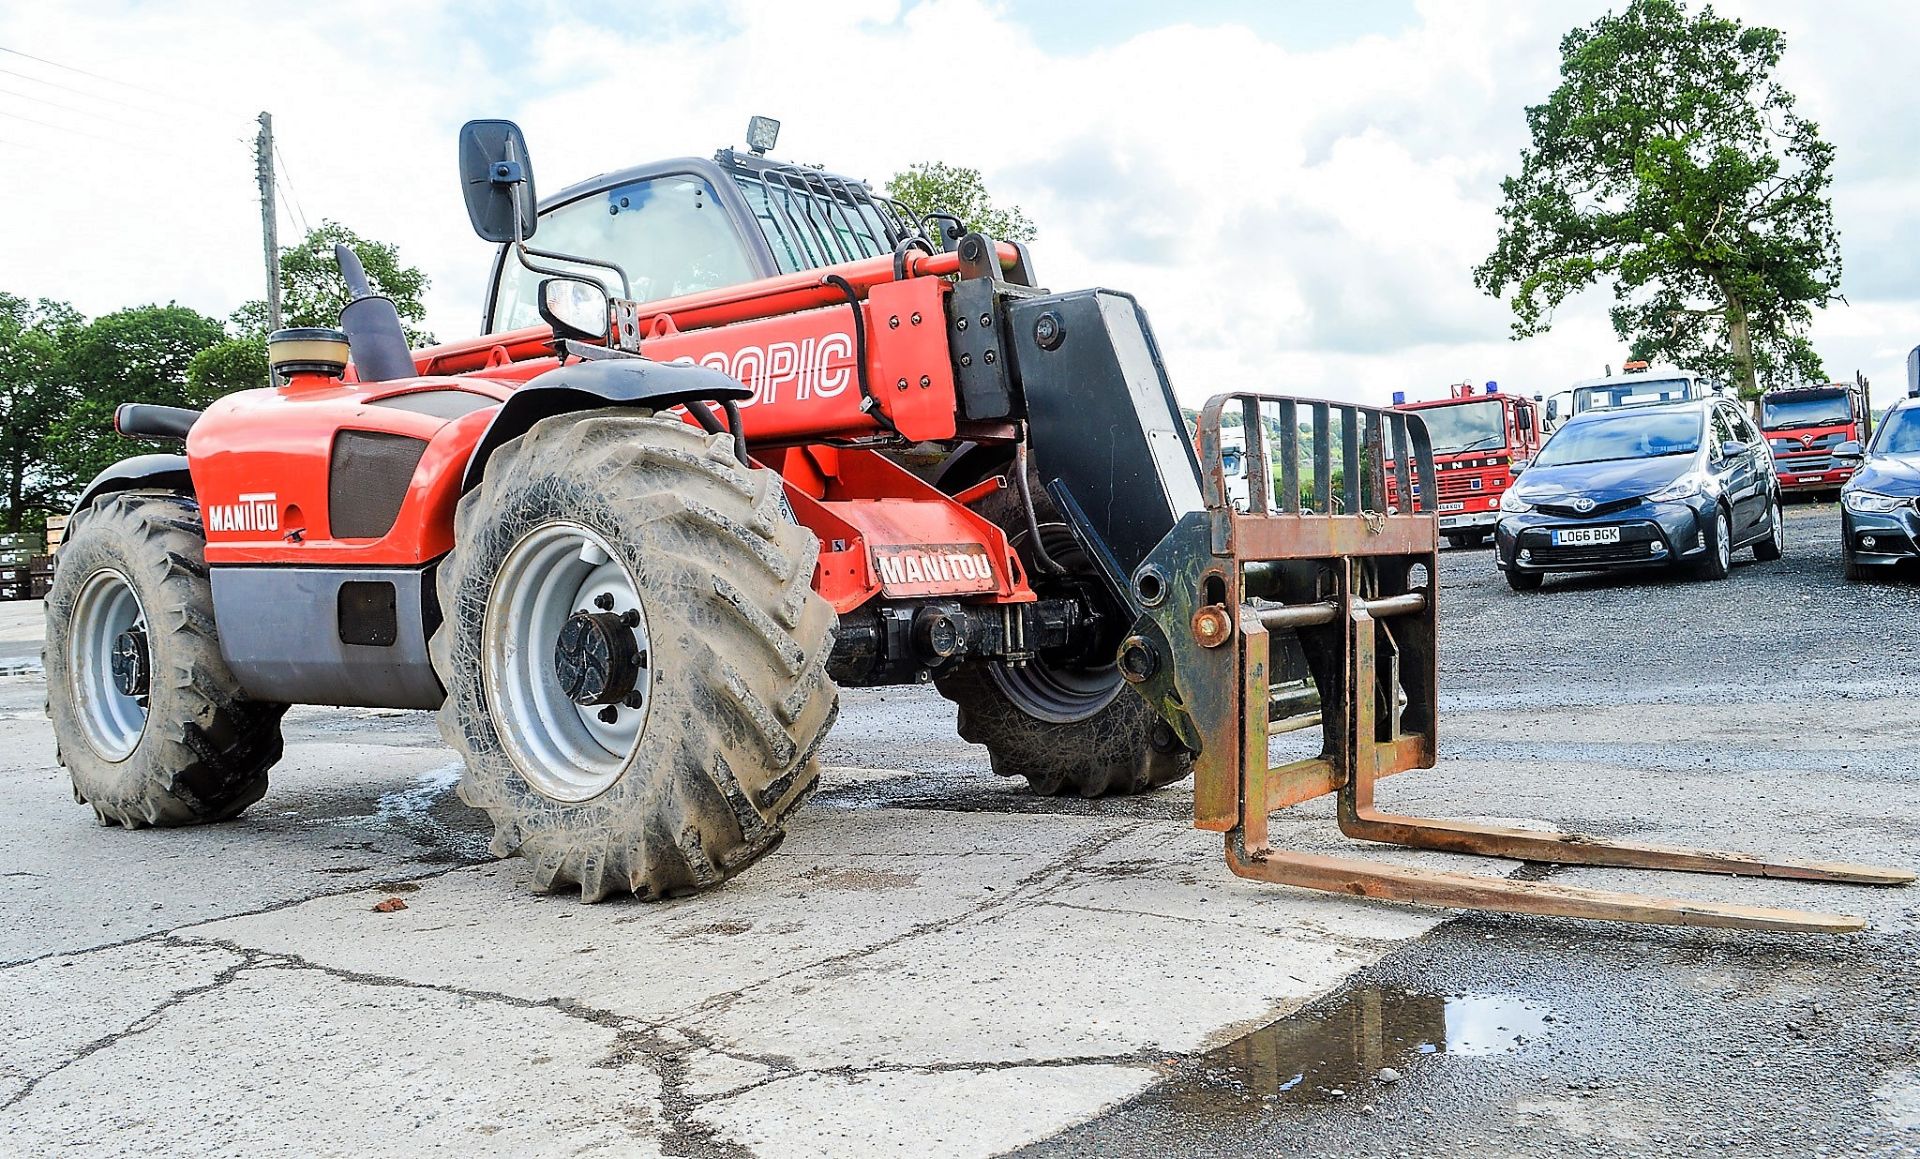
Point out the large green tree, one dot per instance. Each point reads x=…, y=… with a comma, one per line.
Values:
x=312, y=293
x=935, y=187
x=136, y=355
x=1672, y=164
x=34, y=394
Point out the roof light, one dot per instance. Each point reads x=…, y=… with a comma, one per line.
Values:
x=1493, y=388
x=1399, y=398
x=762, y=132
x=1634, y=367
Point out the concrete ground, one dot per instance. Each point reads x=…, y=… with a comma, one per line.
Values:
x=938, y=964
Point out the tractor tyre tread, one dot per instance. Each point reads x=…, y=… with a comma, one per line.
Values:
x=207, y=747
x=741, y=699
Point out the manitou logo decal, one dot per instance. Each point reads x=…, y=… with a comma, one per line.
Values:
x=812, y=367
x=937, y=569
x=256, y=512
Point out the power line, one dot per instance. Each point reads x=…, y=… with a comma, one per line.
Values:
x=286, y=179
x=116, y=103
x=112, y=80
x=57, y=105
x=125, y=144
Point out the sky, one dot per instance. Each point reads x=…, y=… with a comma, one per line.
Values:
x=1296, y=191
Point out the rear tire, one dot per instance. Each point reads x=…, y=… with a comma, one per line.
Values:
x=685, y=781
x=149, y=720
x=1774, y=545
x=1065, y=727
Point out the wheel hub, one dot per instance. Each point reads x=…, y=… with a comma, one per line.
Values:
x=597, y=658
x=128, y=663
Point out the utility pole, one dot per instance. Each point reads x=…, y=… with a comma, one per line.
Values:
x=269, y=233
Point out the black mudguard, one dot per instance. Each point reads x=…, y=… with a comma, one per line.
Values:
x=636, y=382
x=141, y=473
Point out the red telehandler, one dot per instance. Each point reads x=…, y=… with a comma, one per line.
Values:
x=631, y=541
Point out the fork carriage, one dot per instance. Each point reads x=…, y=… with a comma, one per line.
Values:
x=1350, y=572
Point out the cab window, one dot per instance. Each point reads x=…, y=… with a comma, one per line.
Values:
x=669, y=234
x=1723, y=430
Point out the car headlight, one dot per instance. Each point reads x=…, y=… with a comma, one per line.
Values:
x=1512, y=504
x=1685, y=487
x=1872, y=502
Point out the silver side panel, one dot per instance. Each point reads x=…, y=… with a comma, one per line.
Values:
x=280, y=632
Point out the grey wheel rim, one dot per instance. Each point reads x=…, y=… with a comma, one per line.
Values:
x=1723, y=542
x=111, y=721
x=565, y=751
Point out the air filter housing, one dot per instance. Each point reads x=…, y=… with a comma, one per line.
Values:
x=308, y=350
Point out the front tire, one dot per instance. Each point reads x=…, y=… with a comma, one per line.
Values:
x=1524, y=581
x=1719, y=562
x=628, y=556
x=150, y=722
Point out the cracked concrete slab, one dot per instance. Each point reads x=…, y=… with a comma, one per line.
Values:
x=62, y=1007
x=937, y=1115
x=283, y=1059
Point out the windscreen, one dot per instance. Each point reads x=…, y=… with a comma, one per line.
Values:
x=1638, y=393
x=1805, y=408
x=1899, y=433
x=1627, y=436
x=1477, y=426
x=667, y=233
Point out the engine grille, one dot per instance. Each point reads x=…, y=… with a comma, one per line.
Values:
x=367, y=481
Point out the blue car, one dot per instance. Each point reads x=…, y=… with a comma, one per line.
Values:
x=1672, y=485
x=1880, y=505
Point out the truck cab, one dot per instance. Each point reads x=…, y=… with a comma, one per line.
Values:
x=1804, y=424
x=1478, y=437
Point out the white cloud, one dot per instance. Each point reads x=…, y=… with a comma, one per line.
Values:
x=1302, y=221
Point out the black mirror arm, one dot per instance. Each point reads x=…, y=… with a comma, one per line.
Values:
x=523, y=251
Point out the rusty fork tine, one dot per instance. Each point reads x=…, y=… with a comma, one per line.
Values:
x=1436, y=888
x=1580, y=849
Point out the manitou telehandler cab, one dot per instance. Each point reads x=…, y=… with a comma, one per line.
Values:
x=632, y=541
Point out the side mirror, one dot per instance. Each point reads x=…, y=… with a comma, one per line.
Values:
x=1518, y=465
x=1732, y=449
x=575, y=309
x=496, y=176
x=1553, y=409
x=1851, y=449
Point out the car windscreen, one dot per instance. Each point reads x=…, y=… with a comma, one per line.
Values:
x=1899, y=433
x=1627, y=436
x=1476, y=426
x=1805, y=408
x=1636, y=393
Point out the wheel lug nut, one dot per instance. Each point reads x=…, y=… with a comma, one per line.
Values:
x=604, y=601
x=630, y=617
x=633, y=700
x=609, y=715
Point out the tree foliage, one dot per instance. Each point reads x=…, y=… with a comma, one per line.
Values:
x=928, y=187
x=136, y=355
x=313, y=292
x=1671, y=163
x=34, y=394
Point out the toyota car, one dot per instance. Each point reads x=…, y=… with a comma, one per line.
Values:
x=1880, y=505
x=1672, y=485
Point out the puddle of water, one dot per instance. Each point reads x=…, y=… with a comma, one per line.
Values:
x=428, y=813
x=1344, y=1046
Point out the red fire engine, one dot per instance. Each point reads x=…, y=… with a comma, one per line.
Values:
x=1477, y=437
x=1804, y=424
